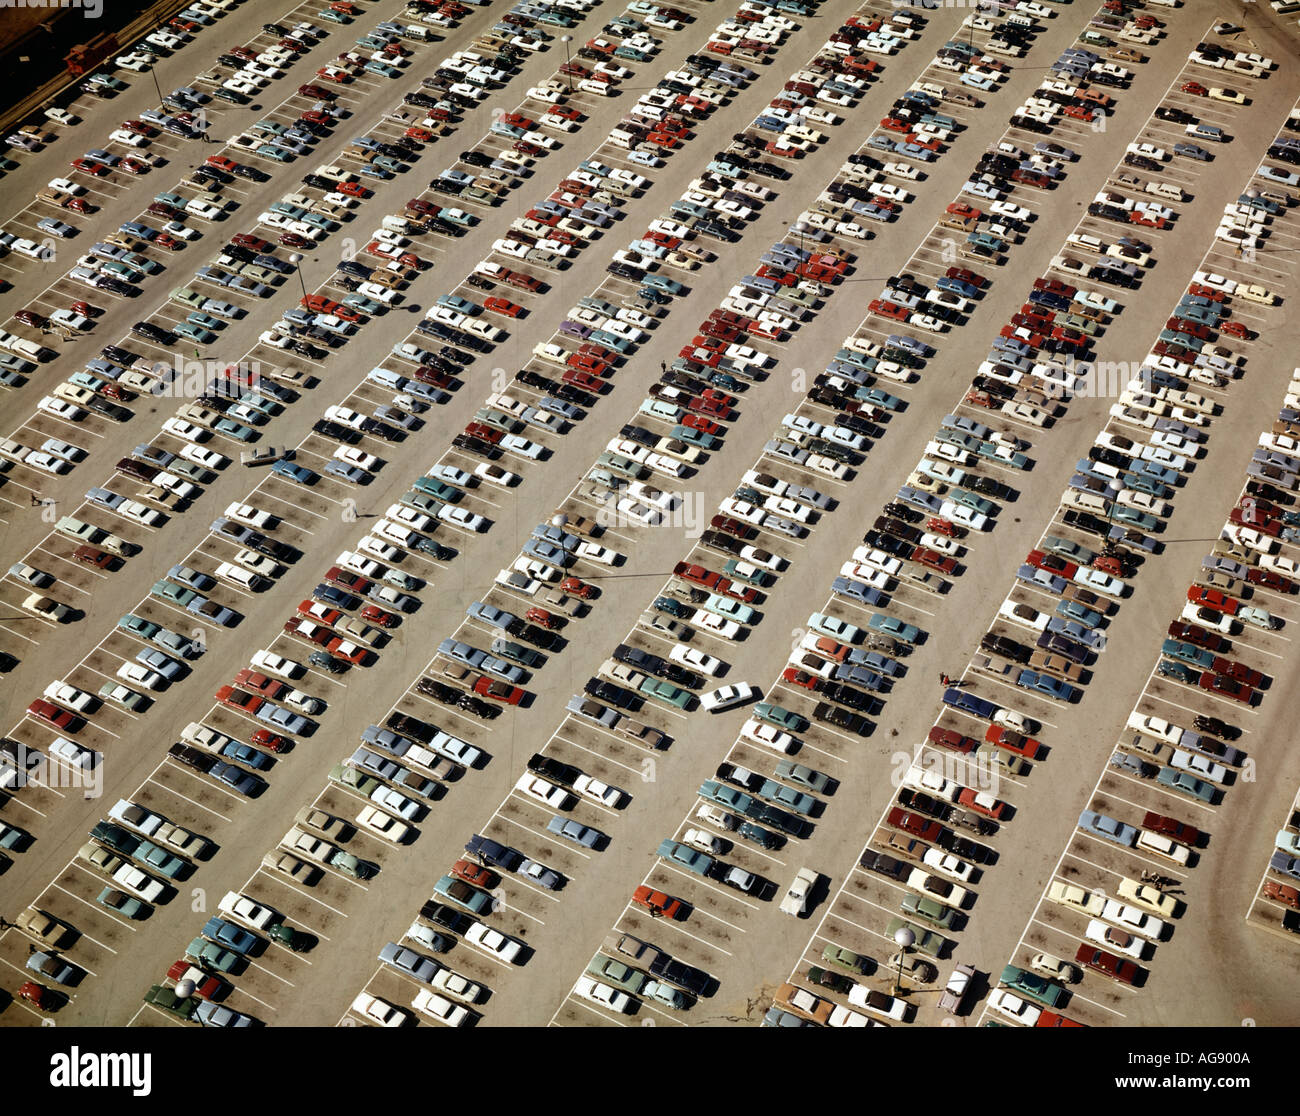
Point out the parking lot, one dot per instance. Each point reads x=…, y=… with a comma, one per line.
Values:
x=617, y=548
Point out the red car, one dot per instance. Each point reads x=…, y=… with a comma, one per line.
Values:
x=1195, y=88
x=206, y=989
x=1171, y=827
x=293, y=240
x=484, y=432
x=260, y=684
x=1193, y=633
x=657, y=903
x=1238, y=672
x=971, y=798
x=965, y=211
x=89, y=166
x=730, y=526
x=896, y=124
x=254, y=243
x=576, y=69
x=1052, y=563
x=1236, y=329
x=1139, y=217
x=1055, y=286
x=53, y=715
x=702, y=424
x=1012, y=741
x=475, y=874
x=498, y=691
x=1198, y=594
x=37, y=995
x=322, y=614
x=576, y=587
x=584, y=380
x=271, y=741
x=130, y=164
x=376, y=615
x=312, y=632
x=945, y=527
x=688, y=571
x=239, y=699
x=934, y=559
x=1079, y=112
x=541, y=618
x=1275, y=581
x=967, y=276
x=523, y=281
x=1126, y=972
x=316, y=92
x=797, y=677
x=1226, y=687
x=952, y=740
x=925, y=828
x=889, y=310
x=701, y=404
x=1192, y=329
x=1205, y=292
x=93, y=557
x=1039, y=322
x=243, y=52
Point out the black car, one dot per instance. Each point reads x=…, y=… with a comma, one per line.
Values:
x=782, y=821
x=351, y=267
x=487, y=851
x=1005, y=646
x=639, y=434
x=151, y=332
x=923, y=803
x=695, y=981
x=339, y=433
x=642, y=660
x=718, y=541
x=1177, y=115
x=328, y=662
x=965, y=848
x=843, y=694
x=886, y=865
x=447, y=917
x=319, y=182
x=538, y=637
x=609, y=692
x=192, y=757
x=553, y=769
x=841, y=718
x=536, y=380
x=626, y=271
x=1063, y=645
x=471, y=444
x=476, y=158
x=238, y=252
x=888, y=543
x=477, y=706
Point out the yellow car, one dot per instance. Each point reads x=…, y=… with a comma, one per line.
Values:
x=1253, y=292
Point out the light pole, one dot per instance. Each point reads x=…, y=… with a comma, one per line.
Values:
x=904, y=939
x=566, y=40
x=296, y=260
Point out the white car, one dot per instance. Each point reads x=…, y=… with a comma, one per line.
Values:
x=430, y=1003
x=277, y=665
x=381, y=824
x=70, y=696
x=602, y=994
x=726, y=697
x=714, y=624
x=769, y=736
x=460, y=517
x=141, y=675
x=546, y=793
x=493, y=942
x=696, y=660
x=1012, y=1006
x=1114, y=940
x=590, y=787
x=375, y=1010
x=948, y=864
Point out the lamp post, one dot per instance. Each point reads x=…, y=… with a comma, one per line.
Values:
x=566, y=40
x=904, y=939
x=296, y=260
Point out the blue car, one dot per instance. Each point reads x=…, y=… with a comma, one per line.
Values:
x=1192, y=151
x=229, y=935
x=1046, y=685
x=892, y=626
x=296, y=473
x=969, y=703
x=857, y=590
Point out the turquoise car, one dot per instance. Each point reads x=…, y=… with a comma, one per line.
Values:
x=666, y=692
x=194, y=333
x=1186, y=783
x=732, y=610
x=463, y=895
x=204, y=321
x=892, y=626
x=1139, y=519
x=137, y=625
x=695, y=437
x=334, y=17
x=834, y=627
x=1073, y=610
x=685, y=857
x=660, y=283
x=777, y=715
x=169, y=591
x=1032, y=986
x=972, y=501
x=236, y=430
x=278, y=154
x=382, y=69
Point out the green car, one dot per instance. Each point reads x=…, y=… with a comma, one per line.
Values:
x=123, y=271
x=926, y=940
x=1186, y=783
x=186, y=296
x=971, y=500
x=1139, y=519
x=165, y=998
x=353, y=779
x=1032, y=986
x=846, y=959
x=666, y=692
x=175, y=594
x=929, y=910
x=777, y=715
x=759, y=577
x=138, y=626
x=616, y=973
x=685, y=857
